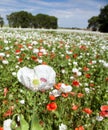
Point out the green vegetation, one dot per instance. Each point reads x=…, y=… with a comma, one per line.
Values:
x=24, y=19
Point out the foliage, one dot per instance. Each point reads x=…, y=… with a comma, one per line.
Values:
x=99, y=22
x=103, y=19
x=79, y=60
x=21, y=19
x=1, y=22
x=93, y=23
x=24, y=19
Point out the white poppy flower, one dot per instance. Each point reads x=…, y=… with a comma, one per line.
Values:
x=7, y=124
x=55, y=92
x=22, y=101
x=42, y=77
x=65, y=88
x=5, y=62
x=87, y=90
x=62, y=127
x=99, y=118
x=2, y=54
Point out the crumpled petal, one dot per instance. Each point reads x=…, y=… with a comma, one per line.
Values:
x=47, y=76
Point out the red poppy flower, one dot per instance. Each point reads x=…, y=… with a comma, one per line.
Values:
x=75, y=83
x=17, y=51
x=52, y=97
x=8, y=113
x=87, y=75
x=52, y=106
x=44, y=63
x=72, y=93
x=91, y=84
x=65, y=95
x=1, y=128
x=57, y=86
x=20, y=46
x=85, y=68
x=104, y=111
x=20, y=60
x=87, y=110
x=80, y=95
x=34, y=58
x=67, y=56
x=79, y=128
x=75, y=55
x=40, y=53
x=74, y=107
x=83, y=47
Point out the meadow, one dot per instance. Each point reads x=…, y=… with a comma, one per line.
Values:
x=78, y=99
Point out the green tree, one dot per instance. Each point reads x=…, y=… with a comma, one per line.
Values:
x=21, y=19
x=53, y=22
x=45, y=21
x=93, y=23
x=1, y=22
x=24, y=19
x=103, y=19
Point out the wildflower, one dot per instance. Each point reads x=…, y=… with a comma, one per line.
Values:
x=79, y=128
x=42, y=77
x=62, y=127
x=63, y=71
x=72, y=93
x=87, y=75
x=1, y=128
x=65, y=88
x=87, y=90
x=40, y=53
x=17, y=52
x=5, y=62
x=75, y=83
x=22, y=101
x=8, y=112
x=104, y=111
x=85, y=68
x=80, y=95
x=55, y=93
x=65, y=95
x=2, y=54
x=99, y=118
x=87, y=110
x=57, y=86
x=52, y=97
x=7, y=124
x=14, y=73
x=74, y=107
x=20, y=60
x=52, y=106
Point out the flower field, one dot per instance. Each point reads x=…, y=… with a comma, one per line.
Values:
x=53, y=80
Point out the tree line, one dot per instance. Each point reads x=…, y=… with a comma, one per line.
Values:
x=25, y=19
x=99, y=22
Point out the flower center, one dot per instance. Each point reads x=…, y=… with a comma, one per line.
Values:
x=36, y=81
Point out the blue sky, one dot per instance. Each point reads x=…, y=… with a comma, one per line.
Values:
x=70, y=13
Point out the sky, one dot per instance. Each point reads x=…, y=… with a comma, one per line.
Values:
x=70, y=13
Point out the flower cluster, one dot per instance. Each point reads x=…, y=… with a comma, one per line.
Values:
x=65, y=77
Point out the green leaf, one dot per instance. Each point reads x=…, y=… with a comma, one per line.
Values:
x=106, y=125
x=35, y=123
x=18, y=128
x=24, y=124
